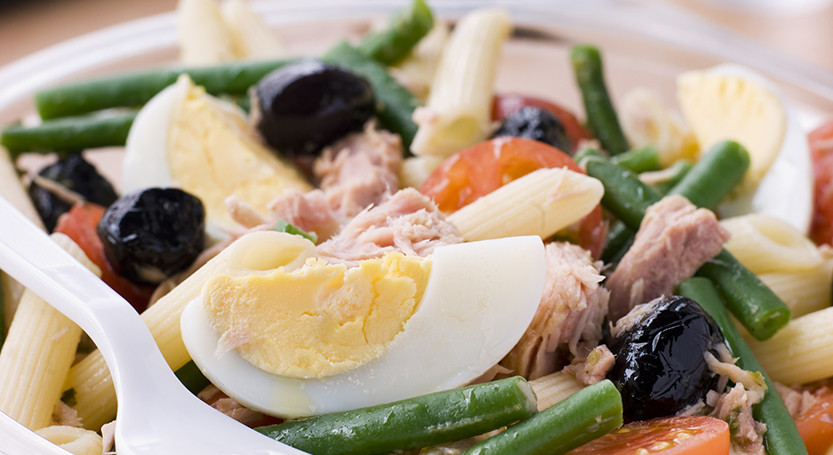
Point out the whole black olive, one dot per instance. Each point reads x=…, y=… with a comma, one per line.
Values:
x=75, y=174
x=302, y=107
x=660, y=367
x=536, y=124
x=152, y=234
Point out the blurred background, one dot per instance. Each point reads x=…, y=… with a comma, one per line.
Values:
x=801, y=28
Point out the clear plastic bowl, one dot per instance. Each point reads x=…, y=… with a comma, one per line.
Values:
x=645, y=43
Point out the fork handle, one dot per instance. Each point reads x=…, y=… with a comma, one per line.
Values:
x=33, y=259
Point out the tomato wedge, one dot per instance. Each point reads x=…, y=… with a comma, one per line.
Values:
x=821, y=152
x=505, y=105
x=482, y=168
x=816, y=425
x=79, y=224
x=667, y=436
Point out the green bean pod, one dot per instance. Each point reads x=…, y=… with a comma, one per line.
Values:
x=675, y=173
x=395, y=104
x=781, y=437
x=404, y=31
x=136, y=89
x=717, y=173
x=638, y=160
x=586, y=415
x=625, y=195
x=601, y=116
x=747, y=297
x=416, y=422
x=68, y=134
x=619, y=237
x=192, y=378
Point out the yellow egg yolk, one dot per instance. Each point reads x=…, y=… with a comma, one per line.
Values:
x=319, y=320
x=212, y=155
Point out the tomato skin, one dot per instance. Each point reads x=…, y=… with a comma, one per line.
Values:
x=816, y=425
x=821, y=152
x=482, y=168
x=697, y=435
x=79, y=224
x=505, y=105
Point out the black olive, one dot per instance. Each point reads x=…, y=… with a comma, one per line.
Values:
x=660, y=367
x=152, y=234
x=77, y=175
x=536, y=124
x=302, y=107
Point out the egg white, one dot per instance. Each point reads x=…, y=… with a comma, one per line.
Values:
x=786, y=190
x=479, y=300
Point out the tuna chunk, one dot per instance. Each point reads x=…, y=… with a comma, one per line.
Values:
x=408, y=222
x=360, y=170
x=673, y=241
x=355, y=173
x=570, y=314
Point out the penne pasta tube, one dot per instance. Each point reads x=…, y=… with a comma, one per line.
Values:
x=801, y=352
x=77, y=441
x=90, y=379
x=458, y=111
x=38, y=353
x=765, y=244
x=418, y=69
x=203, y=38
x=805, y=291
x=554, y=388
x=540, y=203
x=251, y=39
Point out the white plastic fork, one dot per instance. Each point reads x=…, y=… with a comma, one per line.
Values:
x=157, y=415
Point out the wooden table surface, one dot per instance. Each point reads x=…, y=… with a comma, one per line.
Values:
x=31, y=25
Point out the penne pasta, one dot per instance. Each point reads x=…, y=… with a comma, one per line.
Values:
x=38, y=353
x=458, y=111
x=554, y=388
x=251, y=39
x=540, y=203
x=203, y=38
x=418, y=69
x=416, y=170
x=765, y=244
x=77, y=441
x=801, y=352
x=805, y=291
x=90, y=379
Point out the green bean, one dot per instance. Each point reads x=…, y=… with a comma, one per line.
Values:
x=638, y=160
x=625, y=195
x=601, y=117
x=717, y=173
x=781, y=437
x=395, y=104
x=674, y=173
x=404, y=31
x=192, y=378
x=417, y=422
x=619, y=238
x=586, y=415
x=749, y=299
x=136, y=89
x=68, y=134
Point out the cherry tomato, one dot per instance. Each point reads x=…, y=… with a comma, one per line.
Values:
x=505, y=105
x=821, y=151
x=482, y=168
x=816, y=425
x=79, y=224
x=667, y=436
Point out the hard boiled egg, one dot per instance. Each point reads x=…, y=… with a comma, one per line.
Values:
x=733, y=102
x=188, y=139
x=477, y=300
